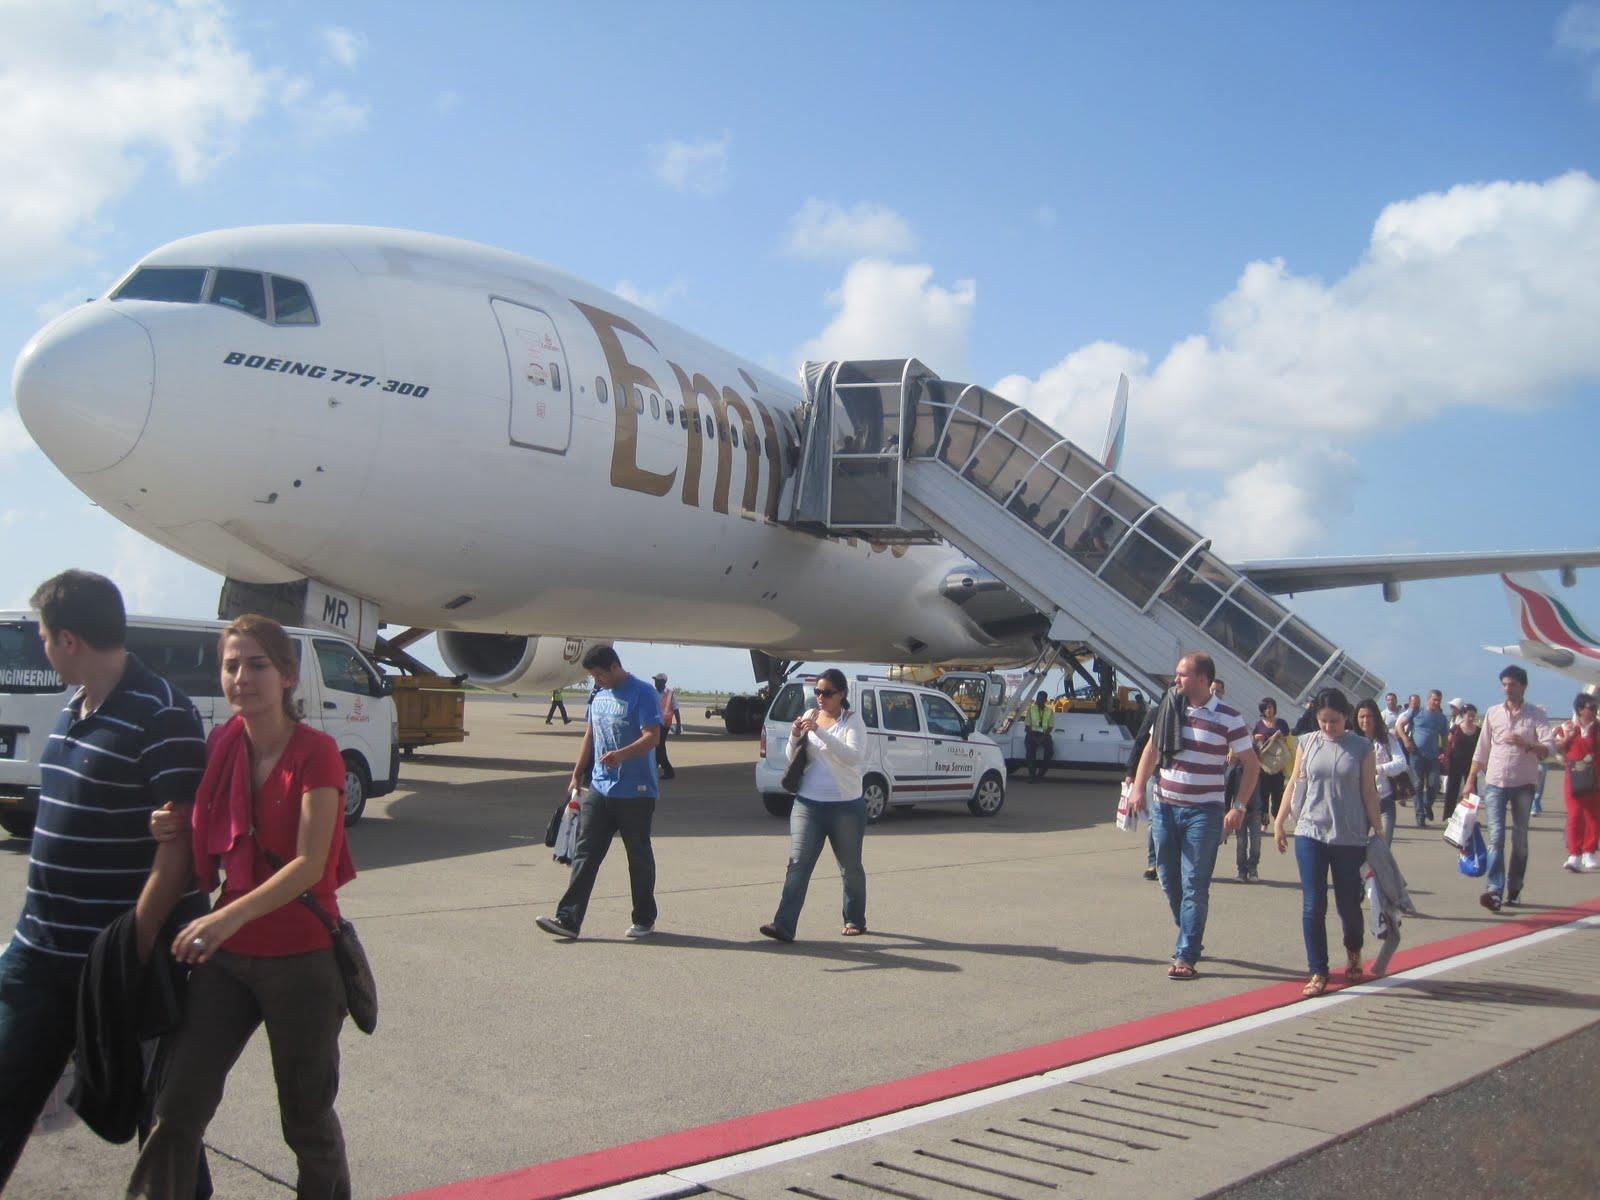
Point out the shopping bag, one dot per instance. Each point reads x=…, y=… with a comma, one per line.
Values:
x=1377, y=919
x=1128, y=816
x=1463, y=821
x=1474, y=860
x=566, y=844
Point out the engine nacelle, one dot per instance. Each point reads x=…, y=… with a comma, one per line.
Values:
x=508, y=662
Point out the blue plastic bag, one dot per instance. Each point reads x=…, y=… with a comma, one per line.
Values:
x=1474, y=860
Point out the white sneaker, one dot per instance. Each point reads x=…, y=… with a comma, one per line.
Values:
x=1572, y=864
x=1591, y=862
x=639, y=931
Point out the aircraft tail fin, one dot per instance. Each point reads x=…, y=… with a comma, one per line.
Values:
x=1117, y=430
x=1540, y=617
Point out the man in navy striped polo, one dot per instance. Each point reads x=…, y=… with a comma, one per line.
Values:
x=1190, y=743
x=127, y=743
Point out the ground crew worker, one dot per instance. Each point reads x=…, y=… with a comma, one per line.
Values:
x=1041, y=720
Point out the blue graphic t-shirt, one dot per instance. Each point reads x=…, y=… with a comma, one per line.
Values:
x=618, y=716
x=1428, y=730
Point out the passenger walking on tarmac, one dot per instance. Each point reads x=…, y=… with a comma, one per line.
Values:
x=1247, y=843
x=1516, y=736
x=126, y=743
x=557, y=705
x=1333, y=800
x=269, y=820
x=1459, y=749
x=669, y=709
x=1392, y=712
x=1041, y=722
x=1139, y=742
x=1274, y=744
x=1578, y=741
x=1423, y=732
x=828, y=806
x=1193, y=734
x=1389, y=761
x=618, y=748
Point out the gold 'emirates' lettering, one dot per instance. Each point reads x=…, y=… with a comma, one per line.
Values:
x=701, y=400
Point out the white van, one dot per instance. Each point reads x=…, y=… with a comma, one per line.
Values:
x=920, y=749
x=343, y=695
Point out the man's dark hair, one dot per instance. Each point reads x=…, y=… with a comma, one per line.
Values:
x=87, y=604
x=1515, y=672
x=1583, y=700
x=601, y=658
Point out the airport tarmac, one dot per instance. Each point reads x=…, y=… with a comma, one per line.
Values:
x=500, y=1048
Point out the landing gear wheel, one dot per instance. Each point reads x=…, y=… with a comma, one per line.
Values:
x=990, y=797
x=876, y=793
x=357, y=786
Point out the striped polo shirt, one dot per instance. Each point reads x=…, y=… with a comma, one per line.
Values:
x=1198, y=773
x=100, y=777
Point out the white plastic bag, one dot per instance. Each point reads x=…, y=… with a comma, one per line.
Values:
x=567, y=836
x=1377, y=919
x=1128, y=817
x=1463, y=820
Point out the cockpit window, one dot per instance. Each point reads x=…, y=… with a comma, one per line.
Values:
x=243, y=290
x=291, y=303
x=176, y=285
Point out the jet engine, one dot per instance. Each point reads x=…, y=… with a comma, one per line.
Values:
x=509, y=662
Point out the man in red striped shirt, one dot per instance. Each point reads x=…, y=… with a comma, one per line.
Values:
x=1191, y=794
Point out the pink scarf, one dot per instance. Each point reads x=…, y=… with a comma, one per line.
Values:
x=224, y=809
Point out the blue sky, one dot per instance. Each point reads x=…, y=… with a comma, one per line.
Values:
x=1349, y=254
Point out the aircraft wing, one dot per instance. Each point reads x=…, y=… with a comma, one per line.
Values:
x=1288, y=575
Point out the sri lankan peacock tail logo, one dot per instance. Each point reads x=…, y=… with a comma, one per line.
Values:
x=1545, y=619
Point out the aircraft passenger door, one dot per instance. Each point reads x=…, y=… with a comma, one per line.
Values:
x=905, y=750
x=541, y=385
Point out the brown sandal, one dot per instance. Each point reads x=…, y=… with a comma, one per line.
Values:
x=1315, y=986
x=852, y=931
x=1181, y=971
x=1355, y=972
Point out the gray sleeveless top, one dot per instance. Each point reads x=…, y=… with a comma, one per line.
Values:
x=1332, y=811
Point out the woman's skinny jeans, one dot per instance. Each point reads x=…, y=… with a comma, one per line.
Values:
x=843, y=824
x=1315, y=860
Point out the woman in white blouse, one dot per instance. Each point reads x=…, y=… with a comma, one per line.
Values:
x=1390, y=757
x=828, y=806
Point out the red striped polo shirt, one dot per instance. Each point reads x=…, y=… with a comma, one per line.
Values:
x=1198, y=773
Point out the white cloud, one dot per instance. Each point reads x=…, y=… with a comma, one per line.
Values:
x=1273, y=507
x=89, y=94
x=323, y=114
x=824, y=230
x=14, y=439
x=892, y=310
x=700, y=167
x=347, y=47
x=1482, y=296
x=1578, y=34
x=654, y=301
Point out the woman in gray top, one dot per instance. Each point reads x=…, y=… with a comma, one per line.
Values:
x=1333, y=798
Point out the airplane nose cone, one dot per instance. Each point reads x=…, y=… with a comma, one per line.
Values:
x=83, y=387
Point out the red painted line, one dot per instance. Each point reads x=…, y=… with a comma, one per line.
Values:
x=673, y=1151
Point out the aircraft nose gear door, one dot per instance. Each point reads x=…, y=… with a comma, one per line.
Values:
x=541, y=386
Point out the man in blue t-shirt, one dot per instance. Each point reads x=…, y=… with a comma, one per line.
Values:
x=618, y=759
x=1424, y=730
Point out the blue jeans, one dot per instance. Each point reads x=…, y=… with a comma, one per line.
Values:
x=1496, y=802
x=1315, y=860
x=38, y=1028
x=1425, y=770
x=1386, y=808
x=843, y=825
x=1538, y=792
x=1187, y=837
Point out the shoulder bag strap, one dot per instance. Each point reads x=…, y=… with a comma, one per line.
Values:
x=306, y=898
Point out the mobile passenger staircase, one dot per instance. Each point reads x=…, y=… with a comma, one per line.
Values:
x=891, y=452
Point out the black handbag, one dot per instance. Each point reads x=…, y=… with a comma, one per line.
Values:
x=360, y=985
x=553, y=830
x=796, y=768
x=1581, y=774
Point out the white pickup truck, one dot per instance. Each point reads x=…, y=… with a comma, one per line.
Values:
x=1086, y=737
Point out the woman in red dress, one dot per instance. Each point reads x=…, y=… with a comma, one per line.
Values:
x=1577, y=742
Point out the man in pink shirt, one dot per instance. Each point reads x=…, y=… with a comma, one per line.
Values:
x=1516, y=737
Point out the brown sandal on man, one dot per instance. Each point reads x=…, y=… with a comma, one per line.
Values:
x=1181, y=971
x=1315, y=986
x=852, y=931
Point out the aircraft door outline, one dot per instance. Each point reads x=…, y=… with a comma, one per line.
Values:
x=540, y=382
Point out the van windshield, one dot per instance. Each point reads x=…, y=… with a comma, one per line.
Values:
x=24, y=670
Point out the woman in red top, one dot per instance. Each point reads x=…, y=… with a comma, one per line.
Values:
x=1577, y=741
x=269, y=814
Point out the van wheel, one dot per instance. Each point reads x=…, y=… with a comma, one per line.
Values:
x=777, y=803
x=357, y=785
x=875, y=791
x=17, y=824
x=990, y=797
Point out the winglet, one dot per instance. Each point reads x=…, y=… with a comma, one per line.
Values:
x=1117, y=431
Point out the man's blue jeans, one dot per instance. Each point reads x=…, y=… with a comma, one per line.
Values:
x=1187, y=837
x=1315, y=859
x=1497, y=802
x=1425, y=770
x=38, y=1027
x=811, y=823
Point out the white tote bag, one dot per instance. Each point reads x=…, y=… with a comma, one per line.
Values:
x=1463, y=820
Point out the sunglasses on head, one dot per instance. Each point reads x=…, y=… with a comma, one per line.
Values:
x=824, y=693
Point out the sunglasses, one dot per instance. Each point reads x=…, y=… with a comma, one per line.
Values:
x=824, y=693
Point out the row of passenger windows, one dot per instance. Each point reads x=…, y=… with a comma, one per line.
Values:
x=251, y=292
x=676, y=416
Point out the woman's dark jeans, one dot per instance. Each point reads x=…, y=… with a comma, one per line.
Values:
x=1316, y=859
